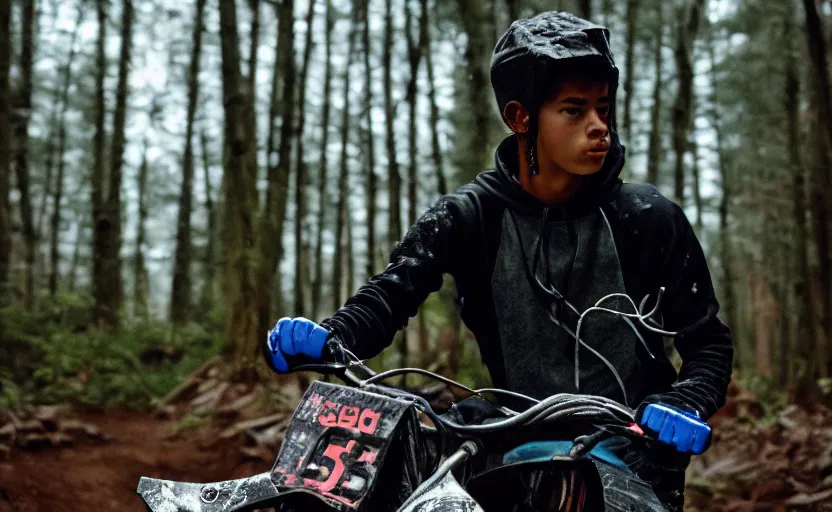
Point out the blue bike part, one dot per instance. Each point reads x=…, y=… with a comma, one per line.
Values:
x=295, y=336
x=685, y=431
x=541, y=451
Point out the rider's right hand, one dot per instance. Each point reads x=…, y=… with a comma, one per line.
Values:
x=293, y=337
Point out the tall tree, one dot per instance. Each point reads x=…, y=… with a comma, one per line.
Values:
x=322, y=180
x=655, y=148
x=22, y=114
x=822, y=186
x=686, y=31
x=5, y=153
x=476, y=122
x=343, y=173
x=141, y=280
x=301, y=181
x=585, y=9
x=254, y=46
x=240, y=189
x=180, y=302
x=513, y=8
x=629, y=70
x=805, y=304
x=726, y=251
x=414, y=57
x=436, y=151
x=209, y=261
x=697, y=182
x=280, y=164
x=54, y=234
x=372, y=180
x=108, y=225
x=98, y=192
x=394, y=230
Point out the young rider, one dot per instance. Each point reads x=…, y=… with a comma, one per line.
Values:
x=536, y=243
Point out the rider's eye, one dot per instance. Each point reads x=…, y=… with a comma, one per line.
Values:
x=603, y=111
x=573, y=111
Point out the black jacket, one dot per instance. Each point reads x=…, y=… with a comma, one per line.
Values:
x=462, y=234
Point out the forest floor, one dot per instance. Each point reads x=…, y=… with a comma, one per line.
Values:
x=781, y=463
x=103, y=475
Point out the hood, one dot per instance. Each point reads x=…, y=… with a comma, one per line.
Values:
x=522, y=64
x=596, y=189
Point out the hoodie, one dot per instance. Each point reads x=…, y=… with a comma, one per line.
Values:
x=527, y=274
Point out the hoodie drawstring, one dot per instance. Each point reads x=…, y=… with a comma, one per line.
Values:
x=548, y=293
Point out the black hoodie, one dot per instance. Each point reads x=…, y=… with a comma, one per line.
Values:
x=524, y=273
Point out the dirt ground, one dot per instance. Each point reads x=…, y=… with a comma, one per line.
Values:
x=103, y=476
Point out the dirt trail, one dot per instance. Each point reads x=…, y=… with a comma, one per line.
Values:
x=104, y=476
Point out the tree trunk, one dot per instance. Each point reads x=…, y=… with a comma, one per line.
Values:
x=806, y=333
x=240, y=207
x=762, y=325
x=349, y=259
x=585, y=9
x=415, y=51
x=5, y=153
x=697, y=191
x=180, y=302
x=21, y=114
x=209, y=262
x=655, y=149
x=254, y=37
x=271, y=235
x=254, y=41
x=394, y=180
x=343, y=173
x=141, y=281
x=436, y=151
x=301, y=180
x=54, y=235
x=372, y=180
x=683, y=108
x=822, y=186
x=726, y=251
x=629, y=70
x=414, y=54
x=109, y=224
x=322, y=185
x=103, y=316
x=513, y=11
x=475, y=145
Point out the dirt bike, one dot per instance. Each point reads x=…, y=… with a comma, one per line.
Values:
x=365, y=446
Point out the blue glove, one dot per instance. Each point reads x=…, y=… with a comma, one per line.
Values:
x=295, y=336
x=681, y=429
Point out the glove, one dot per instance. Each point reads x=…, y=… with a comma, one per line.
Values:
x=292, y=337
x=683, y=430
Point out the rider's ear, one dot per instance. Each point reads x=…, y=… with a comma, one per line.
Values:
x=516, y=116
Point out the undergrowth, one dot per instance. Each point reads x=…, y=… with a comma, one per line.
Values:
x=52, y=355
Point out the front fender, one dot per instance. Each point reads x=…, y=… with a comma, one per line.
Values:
x=239, y=495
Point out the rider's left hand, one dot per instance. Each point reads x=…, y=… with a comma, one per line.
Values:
x=683, y=430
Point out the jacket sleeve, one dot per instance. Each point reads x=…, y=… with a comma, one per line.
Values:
x=690, y=308
x=368, y=321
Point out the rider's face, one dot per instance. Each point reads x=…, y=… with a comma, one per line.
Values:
x=573, y=134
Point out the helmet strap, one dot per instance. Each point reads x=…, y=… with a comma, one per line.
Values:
x=531, y=147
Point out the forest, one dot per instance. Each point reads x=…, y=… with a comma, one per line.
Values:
x=176, y=175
